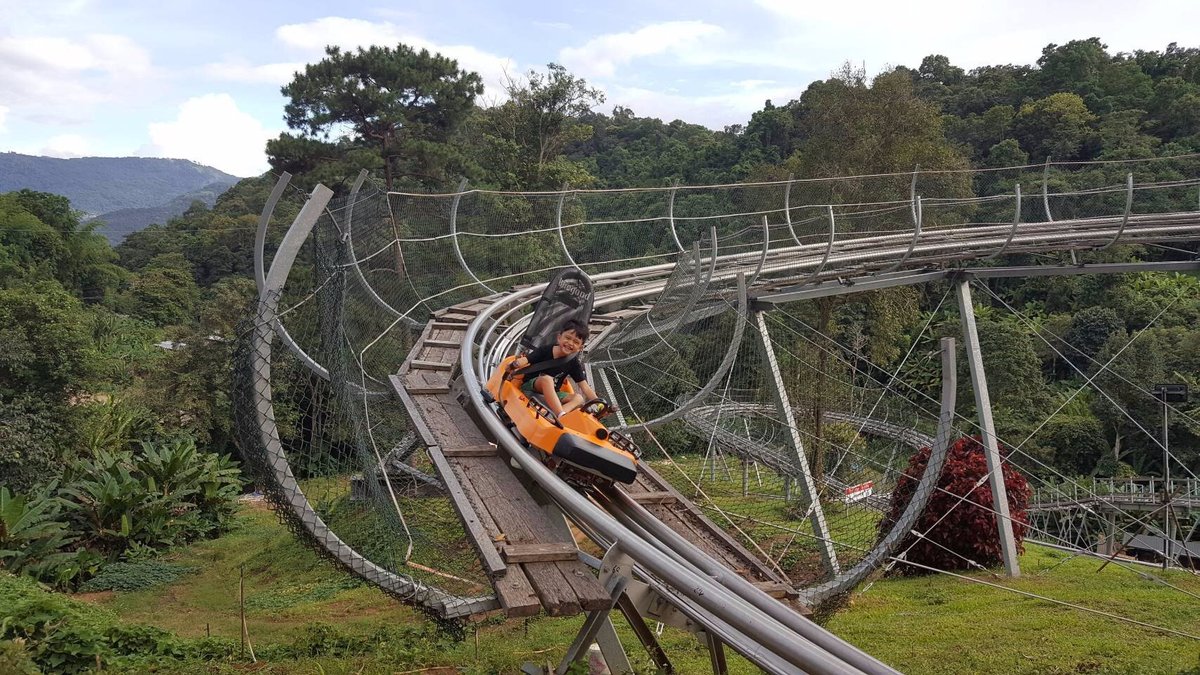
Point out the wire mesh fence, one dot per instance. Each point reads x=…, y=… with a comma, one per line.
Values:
x=337, y=449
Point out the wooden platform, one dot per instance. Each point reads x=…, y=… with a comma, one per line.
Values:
x=532, y=561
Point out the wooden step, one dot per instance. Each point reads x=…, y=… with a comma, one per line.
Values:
x=653, y=497
x=450, y=344
x=430, y=365
x=528, y=553
x=449, y=325
x=776, y=589
x=426, y=389
x=471, y=451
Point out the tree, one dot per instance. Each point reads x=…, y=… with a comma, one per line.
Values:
x=1056, y=126
x=1088, y=332
x=400, y=104
x=526, y=136
x=957, y=525
x=851, y=128
x=44, y=333
x=165, y=292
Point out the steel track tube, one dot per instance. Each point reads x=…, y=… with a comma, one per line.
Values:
x=680, y=548
x=702, y=591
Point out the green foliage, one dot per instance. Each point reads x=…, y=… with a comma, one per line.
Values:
x=135, y=576
x=31, y=433
x=33, y=536
x=63, y=636
x=1076, y=445
x=525, y=137
x=1056, y=126
x=163, y=295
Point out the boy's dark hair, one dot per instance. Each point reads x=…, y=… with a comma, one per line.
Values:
x=579, y=327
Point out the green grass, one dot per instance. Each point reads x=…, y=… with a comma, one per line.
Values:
x=940, y=624
x=920, y=625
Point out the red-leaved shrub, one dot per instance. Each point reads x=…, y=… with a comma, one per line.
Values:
x=967, y=527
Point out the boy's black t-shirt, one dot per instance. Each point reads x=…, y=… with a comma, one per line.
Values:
x=572, y=369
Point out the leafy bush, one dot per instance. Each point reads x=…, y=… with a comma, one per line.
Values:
x=64, y=636
x=165, y=494
x=134, y=576
x=14, y=660
x=33, y=537
x=958, y=524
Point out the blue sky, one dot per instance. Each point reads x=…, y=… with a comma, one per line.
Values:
x=200, y=80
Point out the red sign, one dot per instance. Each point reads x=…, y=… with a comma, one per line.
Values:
x=856, y=492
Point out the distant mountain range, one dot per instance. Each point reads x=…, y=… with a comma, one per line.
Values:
x=125, y=193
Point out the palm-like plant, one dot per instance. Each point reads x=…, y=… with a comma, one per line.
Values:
x=33, y=535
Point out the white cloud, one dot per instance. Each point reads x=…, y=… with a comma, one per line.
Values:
x=51, y=78
x=313, y=36
x=65, y=146
x=3, y=119
x=732, y=106
x=211, y=130
x=599, y=57
x=241, y=71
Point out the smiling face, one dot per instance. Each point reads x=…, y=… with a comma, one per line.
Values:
x=569, y=342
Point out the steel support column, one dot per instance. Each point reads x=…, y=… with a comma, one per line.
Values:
x=807, y=484
x=983, y=406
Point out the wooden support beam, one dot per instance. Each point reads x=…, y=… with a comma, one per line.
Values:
x=451, y=344
x=430, y=365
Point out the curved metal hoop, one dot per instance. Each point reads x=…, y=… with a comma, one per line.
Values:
x=924, y=490
x=1128, y=208
x=671, y=216
x=454, y=234
x=735, y=342
x=762, y=260
x=260, y=235
x=1016, y=221
x=787, y=209
x=828, y=248
x=348, y=237
x=562, y=198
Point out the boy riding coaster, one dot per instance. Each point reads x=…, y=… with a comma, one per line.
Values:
x=559, y=360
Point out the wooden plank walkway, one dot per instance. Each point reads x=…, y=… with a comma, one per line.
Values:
x=533, y=563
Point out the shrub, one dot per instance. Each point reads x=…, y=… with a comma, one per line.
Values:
x=165, y=494
x=957, y=523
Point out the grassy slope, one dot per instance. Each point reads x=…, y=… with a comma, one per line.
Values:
x=288, y=588
x=924, y=625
